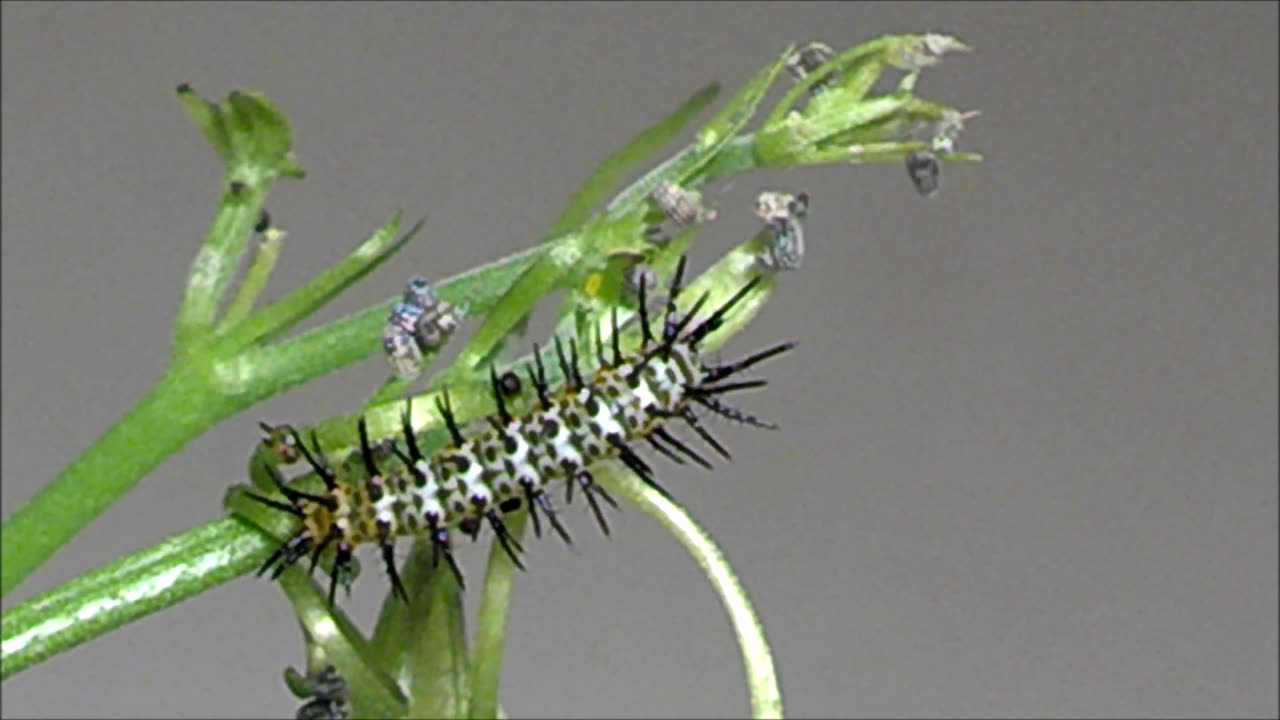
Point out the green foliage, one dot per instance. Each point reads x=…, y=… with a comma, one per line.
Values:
x=417, y=662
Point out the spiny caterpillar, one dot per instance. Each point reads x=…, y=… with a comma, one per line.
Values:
x=510, y=460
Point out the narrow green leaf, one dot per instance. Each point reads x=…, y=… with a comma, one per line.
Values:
x=833, y=67
x=265, y=255
x=260, y=133
x=539, y=279
x=215, y=263
x=615, y=167
x=281, y=315
x=274, y=368
x=711, y=138
x=207, y=117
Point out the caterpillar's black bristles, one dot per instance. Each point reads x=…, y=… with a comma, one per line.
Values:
x=446, y=411
x=720, y=372
x=282, y=554
x=406, y=425
x=711, y=323
x=341, y=561
x=543, y=400
x=616, y=336
x=669, y=319
x=440, y=546
x=727, y=387
x=508, y=541
x=600, y=361
x=573, y=363
x=529, y=492
x=653, y=440
x=677, y=444
x=366, y=453
x=733, y=413
x=321, y=466
x=409, y=464
x=286, y=507
x=692, y=420
x=295, y=496
x=679, y=327
x=497, y=396
x=646, y=332
x=315, y=554
x=564, y=364
x=544, y=502
x=389, y=560
x=541, y=380
x=639, y=467
x=589, y=488
x=292, y=550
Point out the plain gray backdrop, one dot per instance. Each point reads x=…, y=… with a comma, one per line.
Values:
x=1028, y=458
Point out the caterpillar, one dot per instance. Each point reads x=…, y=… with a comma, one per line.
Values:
x=511, y=460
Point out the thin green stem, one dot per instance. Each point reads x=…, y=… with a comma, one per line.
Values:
x=215, y=263
x=265, y=255
x=176, y=410
x=491, y=625
x=128, y=589
x=762, y=680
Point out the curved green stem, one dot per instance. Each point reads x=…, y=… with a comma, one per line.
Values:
x=762, y=680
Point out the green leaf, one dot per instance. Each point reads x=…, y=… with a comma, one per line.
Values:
x=615, y=167
x=710, y=139
x=278, y=317
x=265, y=255
x=249, y=133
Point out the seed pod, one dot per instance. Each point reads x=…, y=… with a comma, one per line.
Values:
x=925, y=172
x=684, y=207
x=782, y=214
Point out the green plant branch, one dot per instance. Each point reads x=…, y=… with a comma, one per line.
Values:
x=215, y=263
x=373, y=693
x=762, y=680
x=491, y=624
x=128, y=589
x=265, y=254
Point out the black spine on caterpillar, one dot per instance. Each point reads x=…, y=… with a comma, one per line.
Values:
x=510, y=460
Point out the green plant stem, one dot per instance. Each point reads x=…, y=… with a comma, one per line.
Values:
x=762, y=680
x=189, y=399
x=491, y=625
x=173, y=412
x=214, y=265
x=128, y=589
x=265, y=255
x=373, y=694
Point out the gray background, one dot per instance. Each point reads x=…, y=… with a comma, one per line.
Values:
x=1028, y=463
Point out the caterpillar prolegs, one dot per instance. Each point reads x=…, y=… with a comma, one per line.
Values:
x=510, y=460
